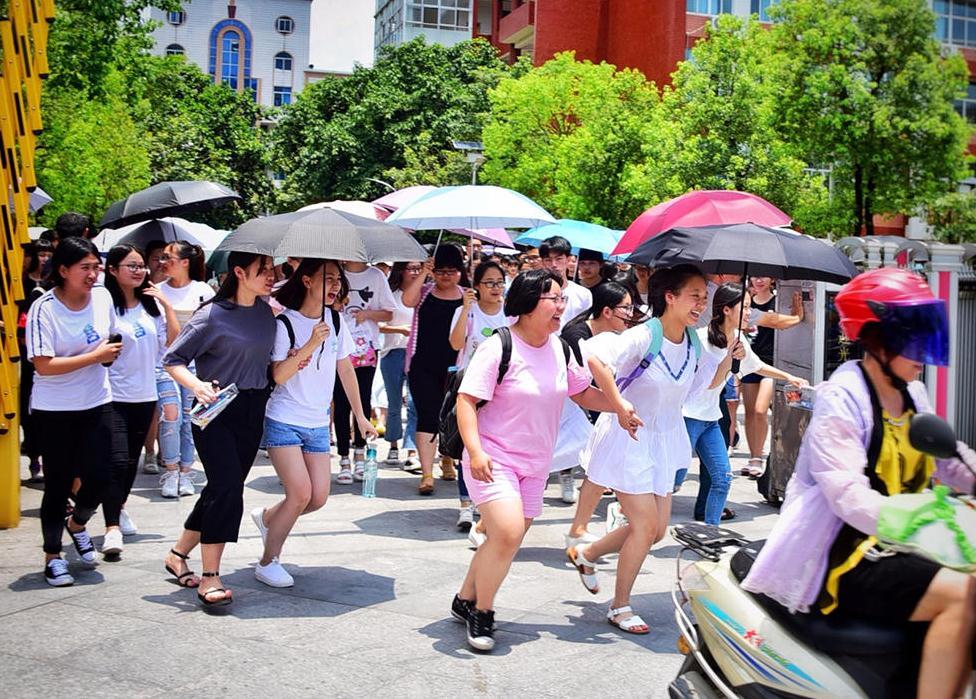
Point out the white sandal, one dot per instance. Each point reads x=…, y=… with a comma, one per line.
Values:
x=755, y=467
x=344, y=477
x=630, y=623
x=579, y=561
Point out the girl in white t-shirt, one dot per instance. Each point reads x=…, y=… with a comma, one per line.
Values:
x=67, y=335
x=308, y=354
x=186, y=291
x=480, y=313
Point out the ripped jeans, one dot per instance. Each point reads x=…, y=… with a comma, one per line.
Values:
x=175, y=436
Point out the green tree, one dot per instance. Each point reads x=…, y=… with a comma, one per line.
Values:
x=396, y=119
x=865, y=89
x=953, y=217
x=567, y=134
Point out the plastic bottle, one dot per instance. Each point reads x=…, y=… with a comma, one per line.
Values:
x=370, y=473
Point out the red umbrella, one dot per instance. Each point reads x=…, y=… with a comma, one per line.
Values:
x=702, y=208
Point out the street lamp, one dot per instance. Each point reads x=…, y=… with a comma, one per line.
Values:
x=474, y=153
x=385, y=184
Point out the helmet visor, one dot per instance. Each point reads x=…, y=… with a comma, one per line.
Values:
x=919, y=332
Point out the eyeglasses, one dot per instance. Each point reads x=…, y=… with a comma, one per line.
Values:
x=531, y=258
x=413, y=268
x=165, y=258
x=627, y=309
x=446, y=272
x=134, y=268
x=500, y=284
x=560, y=300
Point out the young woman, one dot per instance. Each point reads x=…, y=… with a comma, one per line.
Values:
x=370, y=302
x=508, y=442
x=639, y=277
x=703, y=412
x=611, y=312
x=152, y=462
x=304, y=364
x=855, y=460
x=68, y=331
x=230, y=339
x=641, y=471
x=145, y=334
x=396, y=333
x=429, y=353
x=186, y=291
x=37, y=256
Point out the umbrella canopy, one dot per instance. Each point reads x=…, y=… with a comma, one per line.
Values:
x=473, y=207
x=580, y=234
x=747, y=249
x=489, y=235
x=403, y=197
x=168, y=229
x=167, y=199
x=37, y=199
x=702, y=208
x=327, y=234
x=359, y=208
x=35, y=232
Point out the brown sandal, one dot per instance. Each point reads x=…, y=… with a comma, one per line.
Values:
x=426, y=485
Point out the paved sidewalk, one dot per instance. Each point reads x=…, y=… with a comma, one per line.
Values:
x=368, y=615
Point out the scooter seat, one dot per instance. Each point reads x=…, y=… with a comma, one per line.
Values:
x=833, y=634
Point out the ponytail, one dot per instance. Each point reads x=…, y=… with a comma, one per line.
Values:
x=726, y=296
x=197, y=268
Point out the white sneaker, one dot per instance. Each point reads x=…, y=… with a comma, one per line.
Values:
x=273, y=574
x=56, y=573
x=393, y=458
x=257, y=516
x=615, y=517
x=476, y=538
x=112, y=544
x=126, y=525
x=465, y=518
x=576, y=541
x=147, y=462
x=170, y=484
x=186, y=484
x=568, y=487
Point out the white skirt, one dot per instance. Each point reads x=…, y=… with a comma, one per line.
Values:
x=574, y=433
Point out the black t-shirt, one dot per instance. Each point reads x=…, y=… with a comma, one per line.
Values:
x=434, y=349
x=574, y=333
x=762, y=345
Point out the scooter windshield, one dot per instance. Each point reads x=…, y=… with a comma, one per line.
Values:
x=919, y=332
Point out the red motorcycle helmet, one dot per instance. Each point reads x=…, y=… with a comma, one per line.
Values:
x=913, y=322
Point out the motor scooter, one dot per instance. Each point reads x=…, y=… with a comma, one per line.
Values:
x=739, y=644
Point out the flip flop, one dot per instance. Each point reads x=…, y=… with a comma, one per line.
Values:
x=181, y=580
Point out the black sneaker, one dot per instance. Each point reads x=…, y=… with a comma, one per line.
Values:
x=83, y=543
x=461, y=609
x=481, y=629
x=56, y=573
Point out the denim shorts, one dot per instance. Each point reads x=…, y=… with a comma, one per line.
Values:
x=731, y=391
x=312, y=440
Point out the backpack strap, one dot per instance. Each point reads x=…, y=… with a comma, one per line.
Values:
x=336, y=320
x=656, y=330
x=505, y=335
x=567, y=350
x=284, y=320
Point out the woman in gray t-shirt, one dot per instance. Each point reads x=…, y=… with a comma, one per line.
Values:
x=230, y=339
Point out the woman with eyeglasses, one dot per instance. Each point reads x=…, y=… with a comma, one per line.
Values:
x=68, y=340
x=429, y=352
x=185, y=290
x=474, y=322
x=370, y=302
x=145, y=331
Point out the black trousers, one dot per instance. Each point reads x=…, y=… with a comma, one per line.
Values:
x=74, y=442
x=227, y=449
x=427, y=388
x=31, y=446
x=342, y=411
x=130, y=423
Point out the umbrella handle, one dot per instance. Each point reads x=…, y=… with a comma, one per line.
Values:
x=742, y=304
x=318, y=362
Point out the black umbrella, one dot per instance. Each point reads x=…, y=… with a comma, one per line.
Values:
x=167, y=199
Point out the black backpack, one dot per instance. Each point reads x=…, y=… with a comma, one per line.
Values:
x=449, y=437
x=290, y=329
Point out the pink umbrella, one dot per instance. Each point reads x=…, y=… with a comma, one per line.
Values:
x=357, y=208
x=403, y=197
x=498, y=236
x=701, y=208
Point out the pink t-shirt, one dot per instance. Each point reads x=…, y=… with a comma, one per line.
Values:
x=519, y=424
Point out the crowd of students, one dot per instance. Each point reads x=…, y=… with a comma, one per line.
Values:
x=623, y=372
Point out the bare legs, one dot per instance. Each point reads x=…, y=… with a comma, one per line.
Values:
x=757, y=398
x=589, y=497
x=506, y=527
x=427, y=450
x=950, y=606
x=306, y=478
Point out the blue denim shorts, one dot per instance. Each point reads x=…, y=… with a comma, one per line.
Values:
x=312, y=440
x=731, y=391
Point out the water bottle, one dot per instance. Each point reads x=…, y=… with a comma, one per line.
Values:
x=370, y=473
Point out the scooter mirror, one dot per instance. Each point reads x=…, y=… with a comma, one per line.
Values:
x=930, y=434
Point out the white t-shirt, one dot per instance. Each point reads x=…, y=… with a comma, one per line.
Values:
x=303, y=400
x=54, y=330
x=369, y=290
x=402, y=316
x=480, y=327
x=578, y=300
x=186, y=299
x=133, y=374
x=704, y=406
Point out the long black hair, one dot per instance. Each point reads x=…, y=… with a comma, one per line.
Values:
x=293, y=292
x=481, y=270
x=197, y=262
x=70, y=251
x=670, y=280
x=228, y=290
x=727, y=295
x=114, y=259
x=527, y=287
x=397, y=272
x=34, y=250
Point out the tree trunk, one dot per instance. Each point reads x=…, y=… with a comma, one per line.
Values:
x=858, y=200
x=869, y=206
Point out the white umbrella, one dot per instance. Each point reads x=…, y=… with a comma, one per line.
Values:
x=35, y=232
x=473, y=207
x=356, y=208
x=168, y=229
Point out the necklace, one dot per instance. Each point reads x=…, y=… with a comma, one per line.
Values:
x=681, y=371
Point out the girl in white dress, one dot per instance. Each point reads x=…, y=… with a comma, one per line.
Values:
x=641, y=470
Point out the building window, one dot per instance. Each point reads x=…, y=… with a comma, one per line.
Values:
x=454, y=15
x=282, y=95
x=710, y=7
x=284, y=25
x=761, y=8
x=955, y=22
x=175, y=50
x=967, y=106
x=176, y=18
x=230, y=58
x=282, y=61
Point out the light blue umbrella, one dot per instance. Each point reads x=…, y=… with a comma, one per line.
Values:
x=579, y=234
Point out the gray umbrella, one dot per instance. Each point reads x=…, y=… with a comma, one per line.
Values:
x=326, y=234
x=167, y=199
